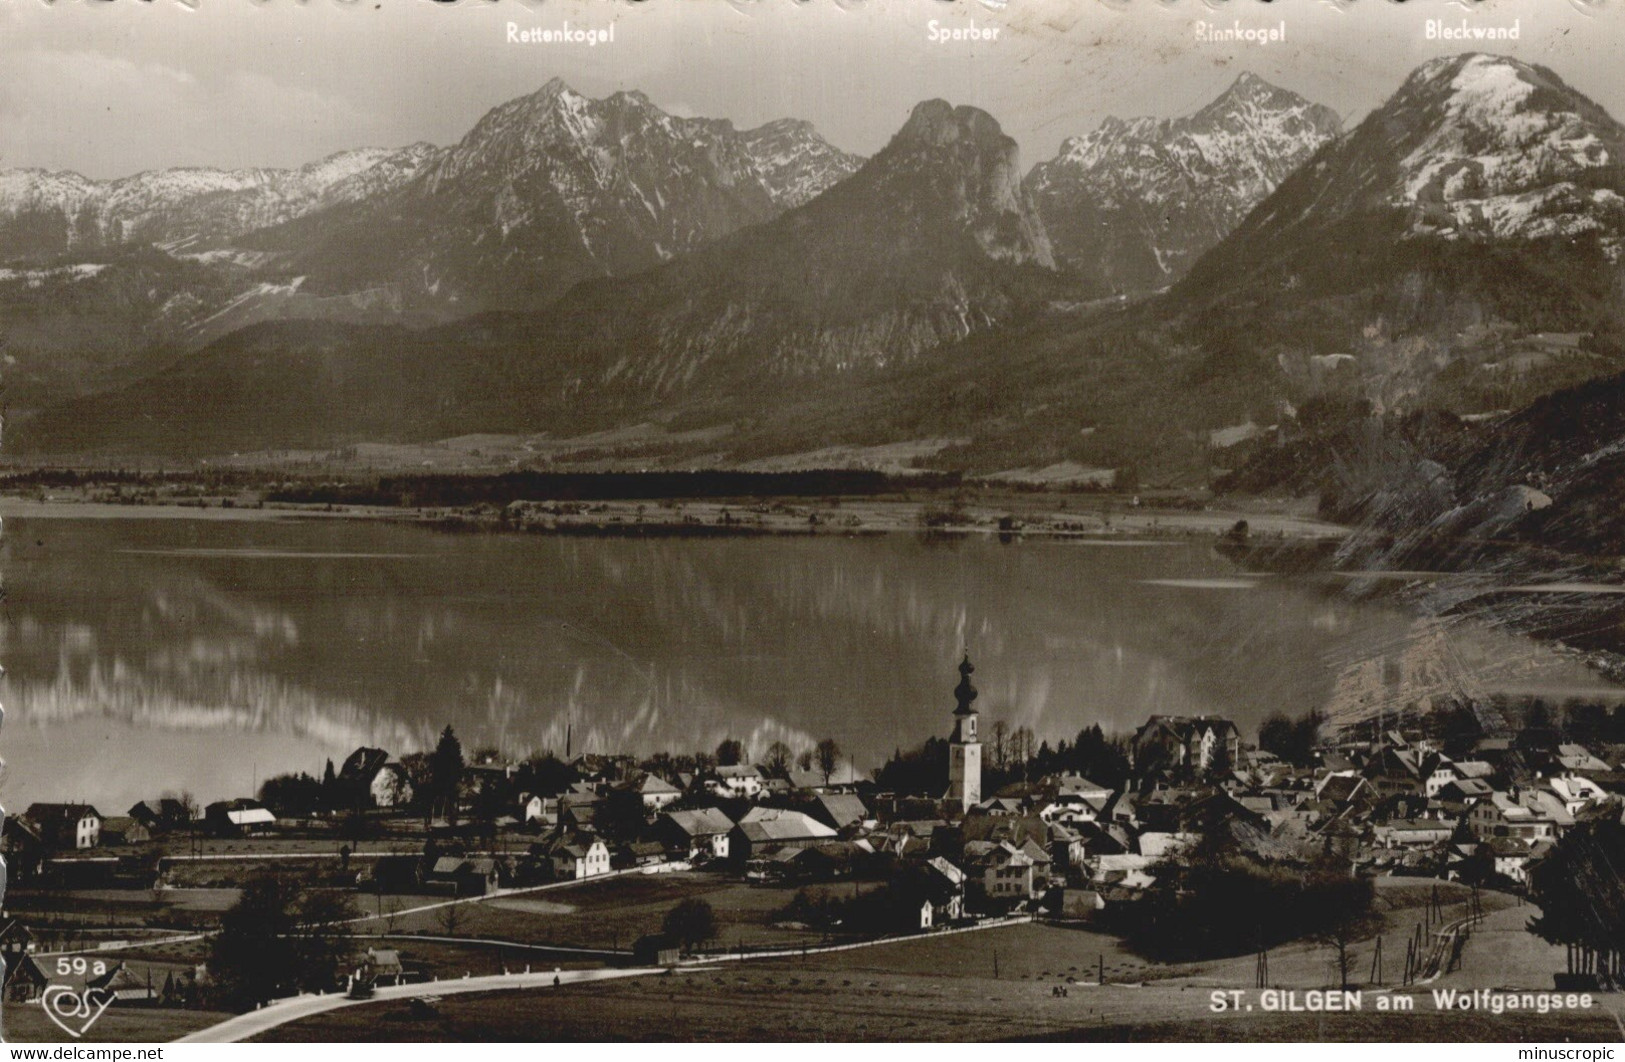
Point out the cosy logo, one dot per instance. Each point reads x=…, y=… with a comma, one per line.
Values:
x=75, y=1010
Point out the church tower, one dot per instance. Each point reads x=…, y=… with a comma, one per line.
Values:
x=965, y=746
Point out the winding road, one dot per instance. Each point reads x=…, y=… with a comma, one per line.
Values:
x=255, y=1022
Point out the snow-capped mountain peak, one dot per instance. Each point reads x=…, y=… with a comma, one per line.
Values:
x=1138, y=200
x=1501, y=148
x=187, y=207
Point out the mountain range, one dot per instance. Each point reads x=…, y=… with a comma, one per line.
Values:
x=1165, y=294
x=1137, y=202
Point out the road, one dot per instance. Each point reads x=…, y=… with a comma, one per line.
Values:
x=252, y=1024
x=246, y=1026
x=497, y=894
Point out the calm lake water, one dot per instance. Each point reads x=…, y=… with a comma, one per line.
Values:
x=148, y=655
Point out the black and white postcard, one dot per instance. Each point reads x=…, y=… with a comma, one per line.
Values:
x=707, y=521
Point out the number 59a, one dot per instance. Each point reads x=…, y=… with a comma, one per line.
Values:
x=79, y=966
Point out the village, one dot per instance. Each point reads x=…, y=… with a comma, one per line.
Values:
x=437, y=864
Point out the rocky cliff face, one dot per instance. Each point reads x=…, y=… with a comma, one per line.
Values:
x=1136, y=202
x=185, y=209
x=931, y=241
x=555, y=188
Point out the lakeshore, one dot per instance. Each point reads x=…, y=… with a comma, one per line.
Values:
x=1025, y=514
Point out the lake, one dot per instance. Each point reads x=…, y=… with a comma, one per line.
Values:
x=152, y=655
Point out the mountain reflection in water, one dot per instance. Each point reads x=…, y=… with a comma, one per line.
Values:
x=146, y=655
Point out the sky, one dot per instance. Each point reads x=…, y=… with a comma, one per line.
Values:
x=108, y=89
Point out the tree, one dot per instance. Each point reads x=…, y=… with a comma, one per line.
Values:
x=446, y=773
x=397, y=790
x=778, y=759
x=1292, y=740
x=280, y=938
x=918, y=772
x=1098, y=758
x=829, y=757
x=420, y=773
x=1580, y=888
x=730, y=752
x=450, y=918
x=545, y=774
x=292, y=795
x=1339, y=939
x=1001, y=737
x=1023, y=745
x=804, y=760
x=691, y=923
x=330, y=786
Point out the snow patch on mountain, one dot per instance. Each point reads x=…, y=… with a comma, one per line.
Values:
x=1141, y=199
x=1509, y=157
x=189, y=207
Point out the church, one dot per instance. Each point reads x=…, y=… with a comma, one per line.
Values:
x=965, y=746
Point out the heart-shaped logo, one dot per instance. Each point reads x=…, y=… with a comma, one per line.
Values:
x=73, y=1010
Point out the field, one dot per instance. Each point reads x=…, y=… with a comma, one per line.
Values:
x=26, y=1023
x=612, y=913
x=1020, y=982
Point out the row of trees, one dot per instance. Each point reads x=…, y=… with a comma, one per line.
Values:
x=924, y=770
x=1580, y=888
x=282, y=936
x=441, y=784
x=779, y=757
x=1220, y=900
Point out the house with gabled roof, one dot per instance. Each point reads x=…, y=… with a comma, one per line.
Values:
x=700, y=833
x=66, y=826
x=123, y=986
x=1502, y=815
x=1508, y=857
x=383, y=966
x=1007, y=873
x=160, y=815
x=1177, y=742
x=1395, y=771
x=25, y=980
x=742, y=781
x=775, y=827
x=238, y=818
x=838, y=810
x=656, y=792
x=574, y=855
x=1342, y=790
x=122, y=830
x=1579, y=758
x=22, y=846
x=1576, y=792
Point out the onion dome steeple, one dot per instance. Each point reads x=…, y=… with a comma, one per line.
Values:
x=965, y=693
